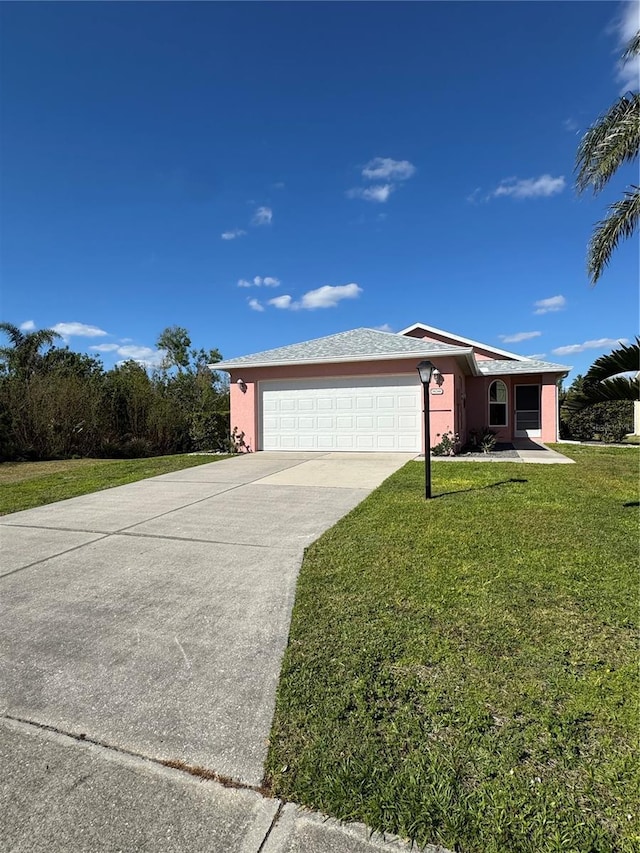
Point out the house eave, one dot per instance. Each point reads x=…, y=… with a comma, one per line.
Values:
x=229, y=366
x=472, y=343
x=561, y=373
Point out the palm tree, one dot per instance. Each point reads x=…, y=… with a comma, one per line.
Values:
x=22, y=357
x=603, y=383
x=613, y=140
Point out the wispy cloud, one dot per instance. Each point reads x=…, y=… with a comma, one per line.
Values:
x=625, y=27
x=146, y=356
x=262, y=216
x=385, y=168
x=570, y=125
x=378, y=192
x=327, y=296
x=255, y=305
x=284, y=301
x=537, y=356
x=553, y=303
x=601, y=344
x=385, y=327
x=259, y=281
x=105, y=347
x=27, y=326
x=519, y=336
x=80, y=330
x=233, y=234
x=541, y=187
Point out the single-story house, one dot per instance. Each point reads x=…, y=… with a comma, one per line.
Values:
x=360, y=391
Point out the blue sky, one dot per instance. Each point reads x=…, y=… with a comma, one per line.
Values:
x=267, y=173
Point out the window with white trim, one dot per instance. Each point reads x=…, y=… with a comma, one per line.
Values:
x=497, y=403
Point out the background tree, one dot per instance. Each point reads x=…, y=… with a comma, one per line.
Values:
x=63, y=403
x=613, y=140
x=175, y=341
x=23, y=357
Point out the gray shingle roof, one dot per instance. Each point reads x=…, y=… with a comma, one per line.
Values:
x=357, y=344
x=502, y=366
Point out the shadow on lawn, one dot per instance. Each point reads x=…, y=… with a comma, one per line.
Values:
x=481, y=488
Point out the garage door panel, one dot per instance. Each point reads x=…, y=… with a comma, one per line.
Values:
x=371, y=413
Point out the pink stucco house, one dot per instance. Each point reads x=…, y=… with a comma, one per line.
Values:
x=360, y=391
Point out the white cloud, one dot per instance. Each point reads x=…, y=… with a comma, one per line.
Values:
x=541, y=187
x=27, y=326
x=626, y=26
x=255, y=305
x=233, y=234
x=80, y=330
x=150, y=357
x=519, y=336
x=378, y=192
x=601, y=343
x=570, y=125
x=537, y=356
x=279, y=185
x=146, y=356
x=106, y=347
x=262, y=216
x=328, y=296
x=385, y=327
x=384, y=168
x=553, y=303
x=260, y=281
x=284, y=301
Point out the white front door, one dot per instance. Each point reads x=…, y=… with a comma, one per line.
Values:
x=527, y=422
x=375, y=413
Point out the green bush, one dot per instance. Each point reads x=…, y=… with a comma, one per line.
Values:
x=609, y=421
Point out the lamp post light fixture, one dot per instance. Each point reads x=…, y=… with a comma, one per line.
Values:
x=427, y=371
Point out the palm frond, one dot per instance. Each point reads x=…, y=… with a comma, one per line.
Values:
x=620, y=223
x=632, y=49
x=13, y=333
x=622, y=360
x=612, y=140
x=618, y=388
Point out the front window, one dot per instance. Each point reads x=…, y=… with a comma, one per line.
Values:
x=497, y=403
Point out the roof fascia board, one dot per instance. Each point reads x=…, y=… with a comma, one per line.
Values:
x=464, y=340
x=564, y=371
x=454, y=351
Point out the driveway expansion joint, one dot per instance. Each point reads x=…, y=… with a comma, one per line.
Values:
x=171, y=763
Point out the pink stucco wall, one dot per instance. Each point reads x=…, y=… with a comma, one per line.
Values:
x=244, y=406
x=461, y=407
x=478, y=403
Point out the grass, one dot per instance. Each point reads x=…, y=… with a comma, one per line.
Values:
x=29, y=484
x=464, y=671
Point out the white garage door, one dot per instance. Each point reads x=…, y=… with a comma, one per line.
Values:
x=372, y=413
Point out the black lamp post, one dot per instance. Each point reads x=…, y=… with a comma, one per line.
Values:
x=426, y=370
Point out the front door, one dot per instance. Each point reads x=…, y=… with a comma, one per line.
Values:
x=527, y=415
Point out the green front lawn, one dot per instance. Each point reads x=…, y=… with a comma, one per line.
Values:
x=464, y=671
x=24, y=485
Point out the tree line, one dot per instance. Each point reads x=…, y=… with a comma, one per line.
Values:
x=56, y=403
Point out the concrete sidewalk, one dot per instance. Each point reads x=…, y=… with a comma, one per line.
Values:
x=147, y=623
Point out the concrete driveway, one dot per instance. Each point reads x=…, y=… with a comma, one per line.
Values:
x=151, y=618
